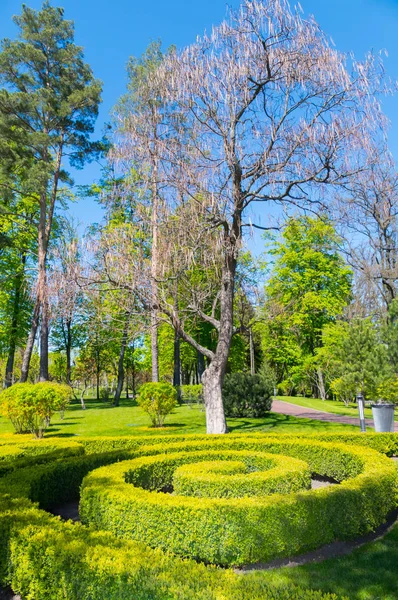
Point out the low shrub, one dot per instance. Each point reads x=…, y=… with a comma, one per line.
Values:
x=251, y=474
x=246, y=395
x=158, y=400
x=388, y=390
x=30, y=406
x=192, y=394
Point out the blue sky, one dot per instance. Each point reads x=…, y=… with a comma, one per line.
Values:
x=111, y=31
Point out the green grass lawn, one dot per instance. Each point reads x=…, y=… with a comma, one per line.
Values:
x=369, y=573
x=129, y=419
x=331, y=406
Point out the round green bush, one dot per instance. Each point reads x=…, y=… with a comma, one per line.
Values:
x=158, y=400
x=30, y=406
x=246, y=395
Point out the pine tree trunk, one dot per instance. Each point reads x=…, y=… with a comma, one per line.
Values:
x=44, y=331
x=252, y=363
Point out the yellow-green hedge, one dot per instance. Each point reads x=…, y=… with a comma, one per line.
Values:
x=251, y=474
x=43, y=558
x=236, y=531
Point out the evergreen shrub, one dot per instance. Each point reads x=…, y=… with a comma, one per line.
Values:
x=246, y=395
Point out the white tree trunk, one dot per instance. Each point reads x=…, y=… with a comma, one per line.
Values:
x=212, y=386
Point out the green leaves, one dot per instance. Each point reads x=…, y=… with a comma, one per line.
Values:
x=309, y=288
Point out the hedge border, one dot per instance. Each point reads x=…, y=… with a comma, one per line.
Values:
x=42, y=557
x=246, y=530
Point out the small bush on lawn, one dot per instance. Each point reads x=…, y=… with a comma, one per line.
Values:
x=30, y=406
x=388, y=390
x=191, y=394
x=158, y=400
x=247, y=395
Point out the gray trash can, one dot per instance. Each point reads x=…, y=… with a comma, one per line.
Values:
x=383, y=417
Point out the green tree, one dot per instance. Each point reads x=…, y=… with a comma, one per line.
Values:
x=17, y=250
x=364, y=361
x=48, y=106
x=309, y=288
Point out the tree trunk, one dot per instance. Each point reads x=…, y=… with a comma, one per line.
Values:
x=201, y=365
x=14, y=325
x=212, y=393
x=45, y=226
x=177, y=365
x=68, y=349
x=154, y=347
x=213, y=377
x=252, y=363
x=44, y=332
x=120, y=366
x=154, y=272
x=321, y=384
x=31, y=341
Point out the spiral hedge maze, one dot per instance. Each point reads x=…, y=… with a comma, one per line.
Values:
x=165, y=517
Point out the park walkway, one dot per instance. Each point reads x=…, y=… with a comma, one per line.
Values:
x=286, y=408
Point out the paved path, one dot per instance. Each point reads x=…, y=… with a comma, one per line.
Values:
x=286, y=408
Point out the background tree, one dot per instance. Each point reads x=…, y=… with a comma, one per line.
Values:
x=140, y=116
x=48, y=106
x=309, y=287
x=17, y=253
x=368, y=221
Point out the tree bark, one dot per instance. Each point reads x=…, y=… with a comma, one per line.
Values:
x=213, y=377
x=177, y=365
x=154, y=272
x=30, y=342
x=120, y=366
x=44, y=330
x=14, y=325
x=321, y=384
x=212, y=393
x=45, y=226
x=201, y=365
x=252, y=362
x=68, y=348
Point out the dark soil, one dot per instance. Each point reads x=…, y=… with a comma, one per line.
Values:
x=8, y=594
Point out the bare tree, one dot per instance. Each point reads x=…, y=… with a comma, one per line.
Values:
x=262, y=110
x=368, y=222
x=64, y=290
x=139, y=118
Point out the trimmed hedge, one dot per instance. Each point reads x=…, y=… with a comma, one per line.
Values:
x=236, y=531
x=254, y=474
x=43, y=558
